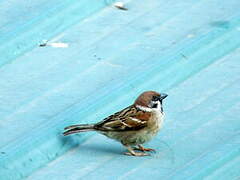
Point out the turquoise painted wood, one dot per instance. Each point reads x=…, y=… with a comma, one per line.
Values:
x=188, y=49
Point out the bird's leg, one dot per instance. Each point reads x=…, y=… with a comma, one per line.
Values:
x=133, y=153
x=143, y=149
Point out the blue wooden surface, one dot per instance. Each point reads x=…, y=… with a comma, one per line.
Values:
x=188, y=49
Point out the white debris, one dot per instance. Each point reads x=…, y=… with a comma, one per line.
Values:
x=58, y=45
x=53, y=44
x=120, y=5
x=43, y=43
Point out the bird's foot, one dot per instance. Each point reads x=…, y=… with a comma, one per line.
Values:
x=133, y=153
x=136, y=154
x=143, y=149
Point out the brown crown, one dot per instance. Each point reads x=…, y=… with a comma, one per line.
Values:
x=145, y=98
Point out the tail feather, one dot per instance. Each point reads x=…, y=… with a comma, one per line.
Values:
x=74, y=126
x=78, y=128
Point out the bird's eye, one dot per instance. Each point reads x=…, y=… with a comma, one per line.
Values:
x=155, y=98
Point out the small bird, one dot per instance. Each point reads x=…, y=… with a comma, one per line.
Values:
x=132, y=126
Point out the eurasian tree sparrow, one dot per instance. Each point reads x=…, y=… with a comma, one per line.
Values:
x=132, y=126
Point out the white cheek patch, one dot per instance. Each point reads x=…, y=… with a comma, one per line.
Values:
x=159, y=105
x=155, y=104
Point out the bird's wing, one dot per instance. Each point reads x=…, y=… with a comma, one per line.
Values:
x=128, y=119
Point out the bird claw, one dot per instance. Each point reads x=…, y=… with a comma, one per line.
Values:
x=136, y=154
x=133, y=153
x=145, y=149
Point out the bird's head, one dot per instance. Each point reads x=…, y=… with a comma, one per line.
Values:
x=150, y=100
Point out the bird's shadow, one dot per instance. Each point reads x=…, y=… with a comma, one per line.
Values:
x=88, y=145
x=101, y=149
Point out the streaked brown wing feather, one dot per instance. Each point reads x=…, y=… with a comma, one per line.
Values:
x=129, y=119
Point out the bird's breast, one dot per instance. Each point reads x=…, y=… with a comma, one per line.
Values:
x=156, y=121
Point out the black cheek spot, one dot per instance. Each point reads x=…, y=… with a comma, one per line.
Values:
x=154, y=106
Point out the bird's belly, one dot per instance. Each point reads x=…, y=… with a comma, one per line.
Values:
x=131, y=137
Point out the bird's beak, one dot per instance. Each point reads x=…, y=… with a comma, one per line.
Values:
x=163, y=96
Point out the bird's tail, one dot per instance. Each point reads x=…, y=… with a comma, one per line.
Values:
x=78, y=128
